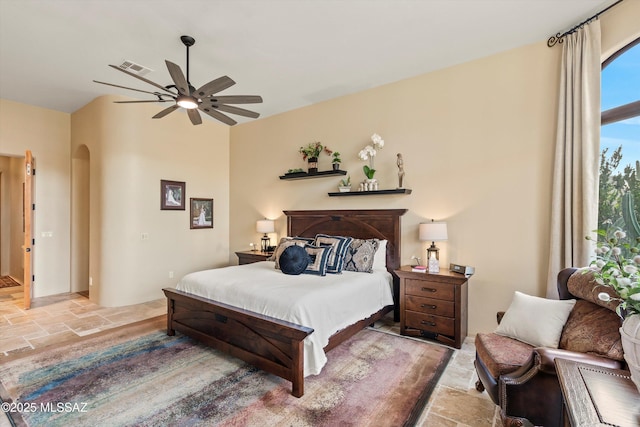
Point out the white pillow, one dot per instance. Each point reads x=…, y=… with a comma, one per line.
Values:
x=534, y=320
x=380, y=257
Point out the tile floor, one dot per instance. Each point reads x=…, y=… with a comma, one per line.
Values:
x=455, y=402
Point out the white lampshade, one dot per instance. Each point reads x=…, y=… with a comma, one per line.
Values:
x=265, y=226
x=433, y=231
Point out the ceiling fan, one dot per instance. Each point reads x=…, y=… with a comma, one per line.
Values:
x=184, y=95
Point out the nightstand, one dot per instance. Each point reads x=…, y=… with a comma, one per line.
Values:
x=433, y=305
x=248, y=257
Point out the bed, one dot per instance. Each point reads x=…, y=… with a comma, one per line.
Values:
x=269, y=343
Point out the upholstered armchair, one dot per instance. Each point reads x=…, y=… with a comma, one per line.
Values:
x=521, y=378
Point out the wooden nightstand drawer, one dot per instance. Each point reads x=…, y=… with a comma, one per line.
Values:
x=423, y=288
x=430, y=306
x=427, y=322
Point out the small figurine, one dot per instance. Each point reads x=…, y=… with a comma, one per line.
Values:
x=400, y=164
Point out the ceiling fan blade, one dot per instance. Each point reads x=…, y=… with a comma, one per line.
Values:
x=129, y=88
x=214, y=86
x=178, y=78
x=194, y=116
x=217, y=115
x=137, y=102
x=166, y=111
x=144, y=80
x=237, y=99
x=238, y=111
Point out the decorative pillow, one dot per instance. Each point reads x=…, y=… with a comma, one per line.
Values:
x=593, y=329
x=534, y=320
x=285, y=242
x=340, y=245
x=318, y=257
x=360, y=255
x=294, y=260
x=582, y=285
x=380, y=258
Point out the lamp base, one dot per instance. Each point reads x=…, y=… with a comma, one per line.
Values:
x=434, y=265
x=266, y=242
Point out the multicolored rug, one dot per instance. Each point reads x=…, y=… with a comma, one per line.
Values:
x=7, y=282
x=137, y=375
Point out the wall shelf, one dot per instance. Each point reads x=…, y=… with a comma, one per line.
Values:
x=371, y=193
x=305, y=175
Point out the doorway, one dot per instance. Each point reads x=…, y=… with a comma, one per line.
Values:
x=12, y=217
x=80, y=220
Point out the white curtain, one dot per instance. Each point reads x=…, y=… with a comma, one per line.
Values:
x=574, y=204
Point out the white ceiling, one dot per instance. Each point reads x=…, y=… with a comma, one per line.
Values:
x=291, y=52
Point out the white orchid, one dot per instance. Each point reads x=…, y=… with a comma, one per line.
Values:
x=369, y=152
x=378, y=142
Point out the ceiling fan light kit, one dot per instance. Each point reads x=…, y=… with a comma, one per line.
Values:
x=186, y=96
x=187, y=102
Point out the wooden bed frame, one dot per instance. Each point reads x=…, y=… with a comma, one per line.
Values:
x=268, y=343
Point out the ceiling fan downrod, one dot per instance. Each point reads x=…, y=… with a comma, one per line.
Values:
x=188, y=41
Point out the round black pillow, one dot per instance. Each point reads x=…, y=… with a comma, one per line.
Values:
x=294, y=260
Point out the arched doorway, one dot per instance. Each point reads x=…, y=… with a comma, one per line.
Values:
x=80, y=213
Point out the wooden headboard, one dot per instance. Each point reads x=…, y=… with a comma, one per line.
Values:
x=359, y=224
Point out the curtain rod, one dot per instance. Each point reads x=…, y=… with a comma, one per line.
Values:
x=559, y=38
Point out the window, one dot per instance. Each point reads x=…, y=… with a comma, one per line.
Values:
x=619, y=203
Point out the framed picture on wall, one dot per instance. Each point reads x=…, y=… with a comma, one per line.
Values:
x=201, y=213
x=172, y=195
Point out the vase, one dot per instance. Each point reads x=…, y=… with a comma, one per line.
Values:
x=336, y=166
x=312, y=164
x=344, y=188
x=370, y=184
x=630, y=334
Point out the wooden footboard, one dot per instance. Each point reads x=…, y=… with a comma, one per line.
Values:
x=270, y=344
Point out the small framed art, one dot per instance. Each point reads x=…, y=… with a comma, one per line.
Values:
x=172, y=195
x=201, y=213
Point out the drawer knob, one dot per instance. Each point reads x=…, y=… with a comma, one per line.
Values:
x=431, y=306
x=424, y=322
x=429, y=290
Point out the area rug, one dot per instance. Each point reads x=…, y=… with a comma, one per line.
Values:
x=7, y=282
x=137, y=375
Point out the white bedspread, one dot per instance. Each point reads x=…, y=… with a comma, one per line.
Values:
x=326, y=304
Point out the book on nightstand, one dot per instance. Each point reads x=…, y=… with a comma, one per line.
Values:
x=419, y=268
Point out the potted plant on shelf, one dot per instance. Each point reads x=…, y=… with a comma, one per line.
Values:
x=335, y=162
x=369, y=153
x=311, y=153
x=345, y=185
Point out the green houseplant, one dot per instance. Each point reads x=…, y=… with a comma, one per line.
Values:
x=336, y=160
x=617, y=266
x=310, y=153
x=345, y=184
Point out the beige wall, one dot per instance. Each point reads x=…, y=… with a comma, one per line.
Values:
x=47, y=134
x=478, y=143
x=129, y=154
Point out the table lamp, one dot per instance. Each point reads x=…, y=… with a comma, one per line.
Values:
x=265, y=226
x=434, y=232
